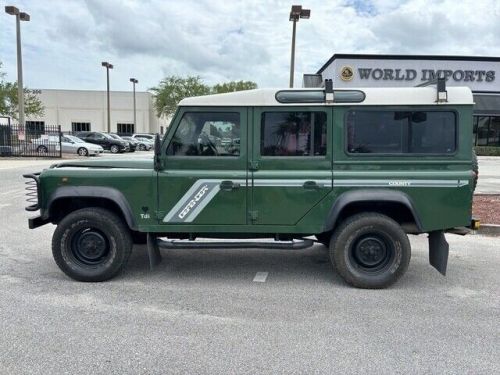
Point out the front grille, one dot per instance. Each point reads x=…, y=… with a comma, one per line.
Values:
x=32, y=191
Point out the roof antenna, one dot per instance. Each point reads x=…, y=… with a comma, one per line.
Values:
x=329, y=91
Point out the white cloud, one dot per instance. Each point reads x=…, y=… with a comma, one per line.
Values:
x=66, y=40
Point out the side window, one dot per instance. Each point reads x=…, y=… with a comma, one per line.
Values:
x=401, y=132
x=206, y=134
x=293, y=134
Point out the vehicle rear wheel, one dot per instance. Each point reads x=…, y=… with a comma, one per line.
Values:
x=114, y=149
x=82, y=151
x=91, y=244
x=42, y=150
x=370, y=251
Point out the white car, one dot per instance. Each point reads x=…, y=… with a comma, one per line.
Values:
x=74, y=145
x=151, y=137
x=46, y=143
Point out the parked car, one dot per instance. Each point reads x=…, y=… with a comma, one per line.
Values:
x=143, y=144
x=132, y=145
x=151, y=137
x=74, y=145
x=104, y=140
x=46, y=143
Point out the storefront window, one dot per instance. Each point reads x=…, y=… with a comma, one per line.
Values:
x=494, y=133
x=482, y=130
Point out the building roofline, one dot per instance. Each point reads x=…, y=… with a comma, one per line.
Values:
x=405, y=57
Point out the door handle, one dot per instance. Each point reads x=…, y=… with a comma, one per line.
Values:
x=311, y=185
x=228, y=185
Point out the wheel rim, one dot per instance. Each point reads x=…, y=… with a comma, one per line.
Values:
x=372, y=253
x=90, y=247
x=114, y=149
x=82, y=152
x=42, y=150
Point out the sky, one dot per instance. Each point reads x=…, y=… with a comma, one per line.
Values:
x=222, y=40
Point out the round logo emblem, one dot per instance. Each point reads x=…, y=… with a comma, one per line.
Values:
x=346, y=73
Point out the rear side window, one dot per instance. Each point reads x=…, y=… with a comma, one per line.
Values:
x=293, y=134
x=401, y=132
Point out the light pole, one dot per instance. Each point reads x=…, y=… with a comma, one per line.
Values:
x=296, y=13
x=134, y=81
x=20, y=16
x=108, y=66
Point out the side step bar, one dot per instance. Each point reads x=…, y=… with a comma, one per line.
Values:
x=154, y=245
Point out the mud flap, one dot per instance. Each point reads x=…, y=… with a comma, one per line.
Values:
x=438, y=251
x=153, y=251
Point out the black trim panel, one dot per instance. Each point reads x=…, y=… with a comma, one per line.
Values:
x=109, y=193
x=369, y=195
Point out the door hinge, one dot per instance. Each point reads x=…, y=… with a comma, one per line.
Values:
x=253, y=165
x=254, y=215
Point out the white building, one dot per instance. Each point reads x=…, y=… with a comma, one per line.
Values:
x=84, y=110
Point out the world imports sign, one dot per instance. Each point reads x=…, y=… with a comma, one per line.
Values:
x=385, y=74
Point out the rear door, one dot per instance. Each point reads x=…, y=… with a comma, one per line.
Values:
x=204, y=177
x=291, y=163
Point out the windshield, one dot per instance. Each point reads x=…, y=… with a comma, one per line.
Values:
x=107, y=135
x=74, y=139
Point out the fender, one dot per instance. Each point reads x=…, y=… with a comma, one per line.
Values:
x=369, y=195
x=102, y=192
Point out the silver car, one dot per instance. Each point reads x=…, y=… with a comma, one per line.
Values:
x=74, y=145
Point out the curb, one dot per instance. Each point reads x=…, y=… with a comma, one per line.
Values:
x=489, y=230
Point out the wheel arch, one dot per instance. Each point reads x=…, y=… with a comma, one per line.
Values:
x=67, y=199
x=395, y=204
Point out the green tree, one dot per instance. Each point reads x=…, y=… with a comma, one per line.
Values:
x=173, y=89
x=233, y=86
x=9, y=100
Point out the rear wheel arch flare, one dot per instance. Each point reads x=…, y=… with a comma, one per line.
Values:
x=393, y=203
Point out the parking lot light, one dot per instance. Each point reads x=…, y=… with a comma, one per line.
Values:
x=296, y=13
x=20, y=16
x=108, y=66
x=134, y=81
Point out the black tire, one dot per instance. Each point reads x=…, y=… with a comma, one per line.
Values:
x=141, y=147
x=324, y=238
x=370, y=251
x=82, y=151
x=42, y=150
x=114, y=149
x=475, y=168
x=91, y=244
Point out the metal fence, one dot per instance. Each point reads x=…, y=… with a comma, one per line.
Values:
x=30, y=140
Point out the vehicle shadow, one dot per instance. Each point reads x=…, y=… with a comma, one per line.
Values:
x=234, y=264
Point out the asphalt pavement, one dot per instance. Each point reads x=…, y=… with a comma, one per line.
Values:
x=240, y=311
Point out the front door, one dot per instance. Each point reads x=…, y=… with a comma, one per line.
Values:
x=291, y=163
x=203, y=180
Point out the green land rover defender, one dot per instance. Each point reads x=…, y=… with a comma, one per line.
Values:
x=358, y=170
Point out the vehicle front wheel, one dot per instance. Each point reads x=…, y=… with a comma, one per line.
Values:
x=82, y=151
x=141, y=147
x=114, y=149
x=91, y=244
x=370, y=251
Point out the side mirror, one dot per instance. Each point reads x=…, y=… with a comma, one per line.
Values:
x=157, y=161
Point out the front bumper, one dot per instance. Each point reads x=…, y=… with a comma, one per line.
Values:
x=37, y=221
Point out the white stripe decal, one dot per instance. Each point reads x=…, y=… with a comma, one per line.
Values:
x=201, y=193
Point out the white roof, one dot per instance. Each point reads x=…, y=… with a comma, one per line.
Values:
x=374, y=96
